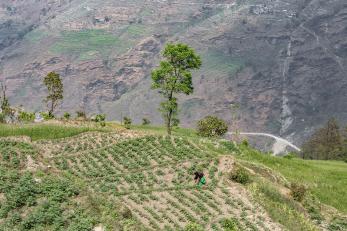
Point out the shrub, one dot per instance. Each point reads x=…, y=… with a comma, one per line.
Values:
x=127, y=122
x=81, y=114
x=211, y=126
x=298, y=191
x=230, y=224
x=46, y=116
x=193, y=227
x=67, y=115
x=146, y=121
x=245, y=143
x=126, y=213
x=26, y=116
x=240, y=175
x=100, y=118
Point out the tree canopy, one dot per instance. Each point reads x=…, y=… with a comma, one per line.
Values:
x=174, y=76
x=326, y=143
x=55, y=91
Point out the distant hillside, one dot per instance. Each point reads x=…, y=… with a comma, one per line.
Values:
x=284, y=62
x=140, y=180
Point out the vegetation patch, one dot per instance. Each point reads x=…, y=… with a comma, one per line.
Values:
x=280, y=208
x=217, y=63
x=326, y=179
x=36, y=36
x=86, y=43
x=240, y=175
x=37, y=132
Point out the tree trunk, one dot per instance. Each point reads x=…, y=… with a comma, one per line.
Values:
x=52, y=109
x=168, y=123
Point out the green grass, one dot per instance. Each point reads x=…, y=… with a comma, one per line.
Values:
x=36, y=36
x=281, y=209
x=327, y=180
x=216, y=62
x=138, y=30
x=186, y=132
x=38, y=132
x=88, y=43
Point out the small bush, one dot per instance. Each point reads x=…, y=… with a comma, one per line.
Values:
x=67, y=115
x=240, y=175
x=100, y=118
x=81, y=114
x=126, y=213
x=127, y=122
x=245, y=143
x=211, y=126
x=230, y=224
x=26, y=116
x=146, y=121
x=298, y=191
x=46, y=116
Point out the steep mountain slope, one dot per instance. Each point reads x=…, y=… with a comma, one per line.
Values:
x=283, y=62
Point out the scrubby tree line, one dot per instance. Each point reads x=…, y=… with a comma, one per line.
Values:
x=327, y=143
x=171, y=78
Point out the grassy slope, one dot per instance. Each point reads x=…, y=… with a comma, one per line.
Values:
x=326, y=179
x=47, y=131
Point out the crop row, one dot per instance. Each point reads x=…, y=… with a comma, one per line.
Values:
x=155, y=178
x=13, y=154
x=128, y=155
x=84, y=142
x=174, y=209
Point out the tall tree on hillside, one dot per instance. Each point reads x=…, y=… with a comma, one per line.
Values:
x=325, y=143
x=55, y=91
x=174, y=76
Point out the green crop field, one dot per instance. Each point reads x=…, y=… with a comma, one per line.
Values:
x=36, y=132
x=88, y=43
x=142, y=180
x=217, y=64
x=36, y=36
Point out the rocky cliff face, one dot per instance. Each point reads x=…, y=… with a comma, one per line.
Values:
x=283, y=62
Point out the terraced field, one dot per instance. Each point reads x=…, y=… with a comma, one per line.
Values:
x=133, y=180
x=153, y=177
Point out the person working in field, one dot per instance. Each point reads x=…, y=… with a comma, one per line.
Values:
x=200, y=179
